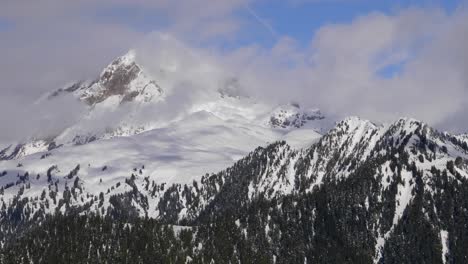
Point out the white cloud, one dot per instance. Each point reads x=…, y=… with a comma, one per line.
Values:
x=21, y=122
x=53, y=42
x=338, y=72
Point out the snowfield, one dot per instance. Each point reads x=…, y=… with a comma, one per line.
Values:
x=132, y=122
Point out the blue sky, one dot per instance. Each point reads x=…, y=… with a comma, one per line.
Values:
x=301, y=19
x=5, y=25
x=298, y=19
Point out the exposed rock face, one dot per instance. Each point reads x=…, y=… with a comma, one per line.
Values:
x=123, y=77
x=24, y=149
x=293, y=116
x=114, y=81
x=70, y=89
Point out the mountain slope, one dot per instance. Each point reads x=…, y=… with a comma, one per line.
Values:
x=213, y=175
x=123, y=78
x=126, y=99
x=373, y=192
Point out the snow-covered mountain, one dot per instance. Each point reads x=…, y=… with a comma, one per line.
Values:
x=292, y=116
x=126, y=100
x=285, y=182
x=159, y=157
x=371, y=176
x=123, y=79
x=206, y=136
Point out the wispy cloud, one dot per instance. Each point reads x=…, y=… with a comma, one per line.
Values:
x=263, y=22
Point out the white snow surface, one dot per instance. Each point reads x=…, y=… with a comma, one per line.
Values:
x=116, y=110
x=173, y=136
x=444, y=240
x=199, y=144
x=164, y=134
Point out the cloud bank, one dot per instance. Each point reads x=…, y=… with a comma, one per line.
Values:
x=413, y=62
x=381, y=67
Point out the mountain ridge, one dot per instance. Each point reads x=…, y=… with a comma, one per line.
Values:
x=392, y=166
x=125, y=93
x=245, y=180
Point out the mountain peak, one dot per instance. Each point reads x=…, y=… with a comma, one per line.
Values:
x=123, y=78
x=408, y=120
x=408, y=125
x=291, y=115
x=126, y=60
x=352, y=122
x=129, y=57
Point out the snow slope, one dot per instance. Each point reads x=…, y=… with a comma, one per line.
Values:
x=162, y=172
x=126, y=100
x=133, y=125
